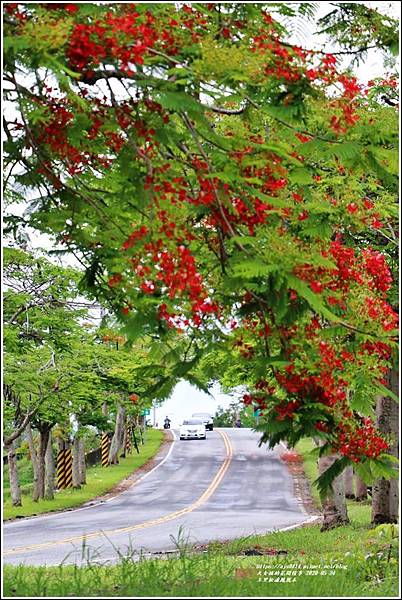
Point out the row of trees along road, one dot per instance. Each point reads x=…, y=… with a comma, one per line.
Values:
x=227, y=186
x=61, y=372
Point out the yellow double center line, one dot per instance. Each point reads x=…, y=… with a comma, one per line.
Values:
x=169, y=517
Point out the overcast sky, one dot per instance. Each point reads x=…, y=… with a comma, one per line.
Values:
x=185, y=398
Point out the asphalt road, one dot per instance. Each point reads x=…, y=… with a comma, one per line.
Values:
x=214, y=489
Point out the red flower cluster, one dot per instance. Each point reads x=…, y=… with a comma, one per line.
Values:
x=380, y=310
x=137, y=235
x=326, y=387
x=348, y=117
x=114, y=280
x=358, y=442
x=286, y=410
x=369, y=268
x=375, y=265
x=54, y=134
x=382, y=350
x=175, y=273
x=111, y=38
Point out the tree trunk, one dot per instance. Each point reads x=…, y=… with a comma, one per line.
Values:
x=117, y=438
x=76, y=459
x=385, y=493
x=334, y=506
x=361, y=489
x=15, y=489
x=394, y=447
x=34, y=461
x=348, y=482
x=43, y=443
x=124, y=444
x=49, y=470
x=82, y=469
x=60, y=443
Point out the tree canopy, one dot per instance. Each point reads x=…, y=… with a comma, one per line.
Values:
x=223, y=185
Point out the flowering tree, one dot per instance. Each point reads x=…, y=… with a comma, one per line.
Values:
x=223, y=185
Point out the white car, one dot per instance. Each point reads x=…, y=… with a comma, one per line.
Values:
x=193, y=429
x=206, y=419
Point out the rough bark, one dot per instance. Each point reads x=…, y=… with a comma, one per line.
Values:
x=60, y=443
x=82, y=469
x=34, y=461
x=348, y=482
x=117, y=438
x=394, y=449
x=15, y=489
x=361, y=489
x=44, y=435
x=385, y=496
x=49, y=470
x=334, y=505
x=76, y=458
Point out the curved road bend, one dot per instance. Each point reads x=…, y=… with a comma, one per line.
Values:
x=217, y=489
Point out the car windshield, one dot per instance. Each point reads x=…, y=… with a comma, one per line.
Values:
x=192, y=422
x=202, y=415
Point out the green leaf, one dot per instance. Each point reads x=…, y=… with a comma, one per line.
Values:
x=383, y=468
x=305, y=292
x=139, y=324
x=384, y=391
x=325, y=480
x=363, y=470
x=179, y=101
x=252, y=267
x=362, y=402
x=300, y=176
x=389, y=180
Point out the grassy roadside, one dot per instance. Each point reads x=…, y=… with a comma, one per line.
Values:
x=226, y=570
x=303, y=562
x=99, y=481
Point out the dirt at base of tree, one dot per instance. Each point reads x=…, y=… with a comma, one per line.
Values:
x=301, y=484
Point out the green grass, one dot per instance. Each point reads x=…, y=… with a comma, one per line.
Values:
x=99, y=481
x=224, y=572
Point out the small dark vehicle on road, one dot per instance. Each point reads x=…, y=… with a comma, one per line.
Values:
x=206, y=419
